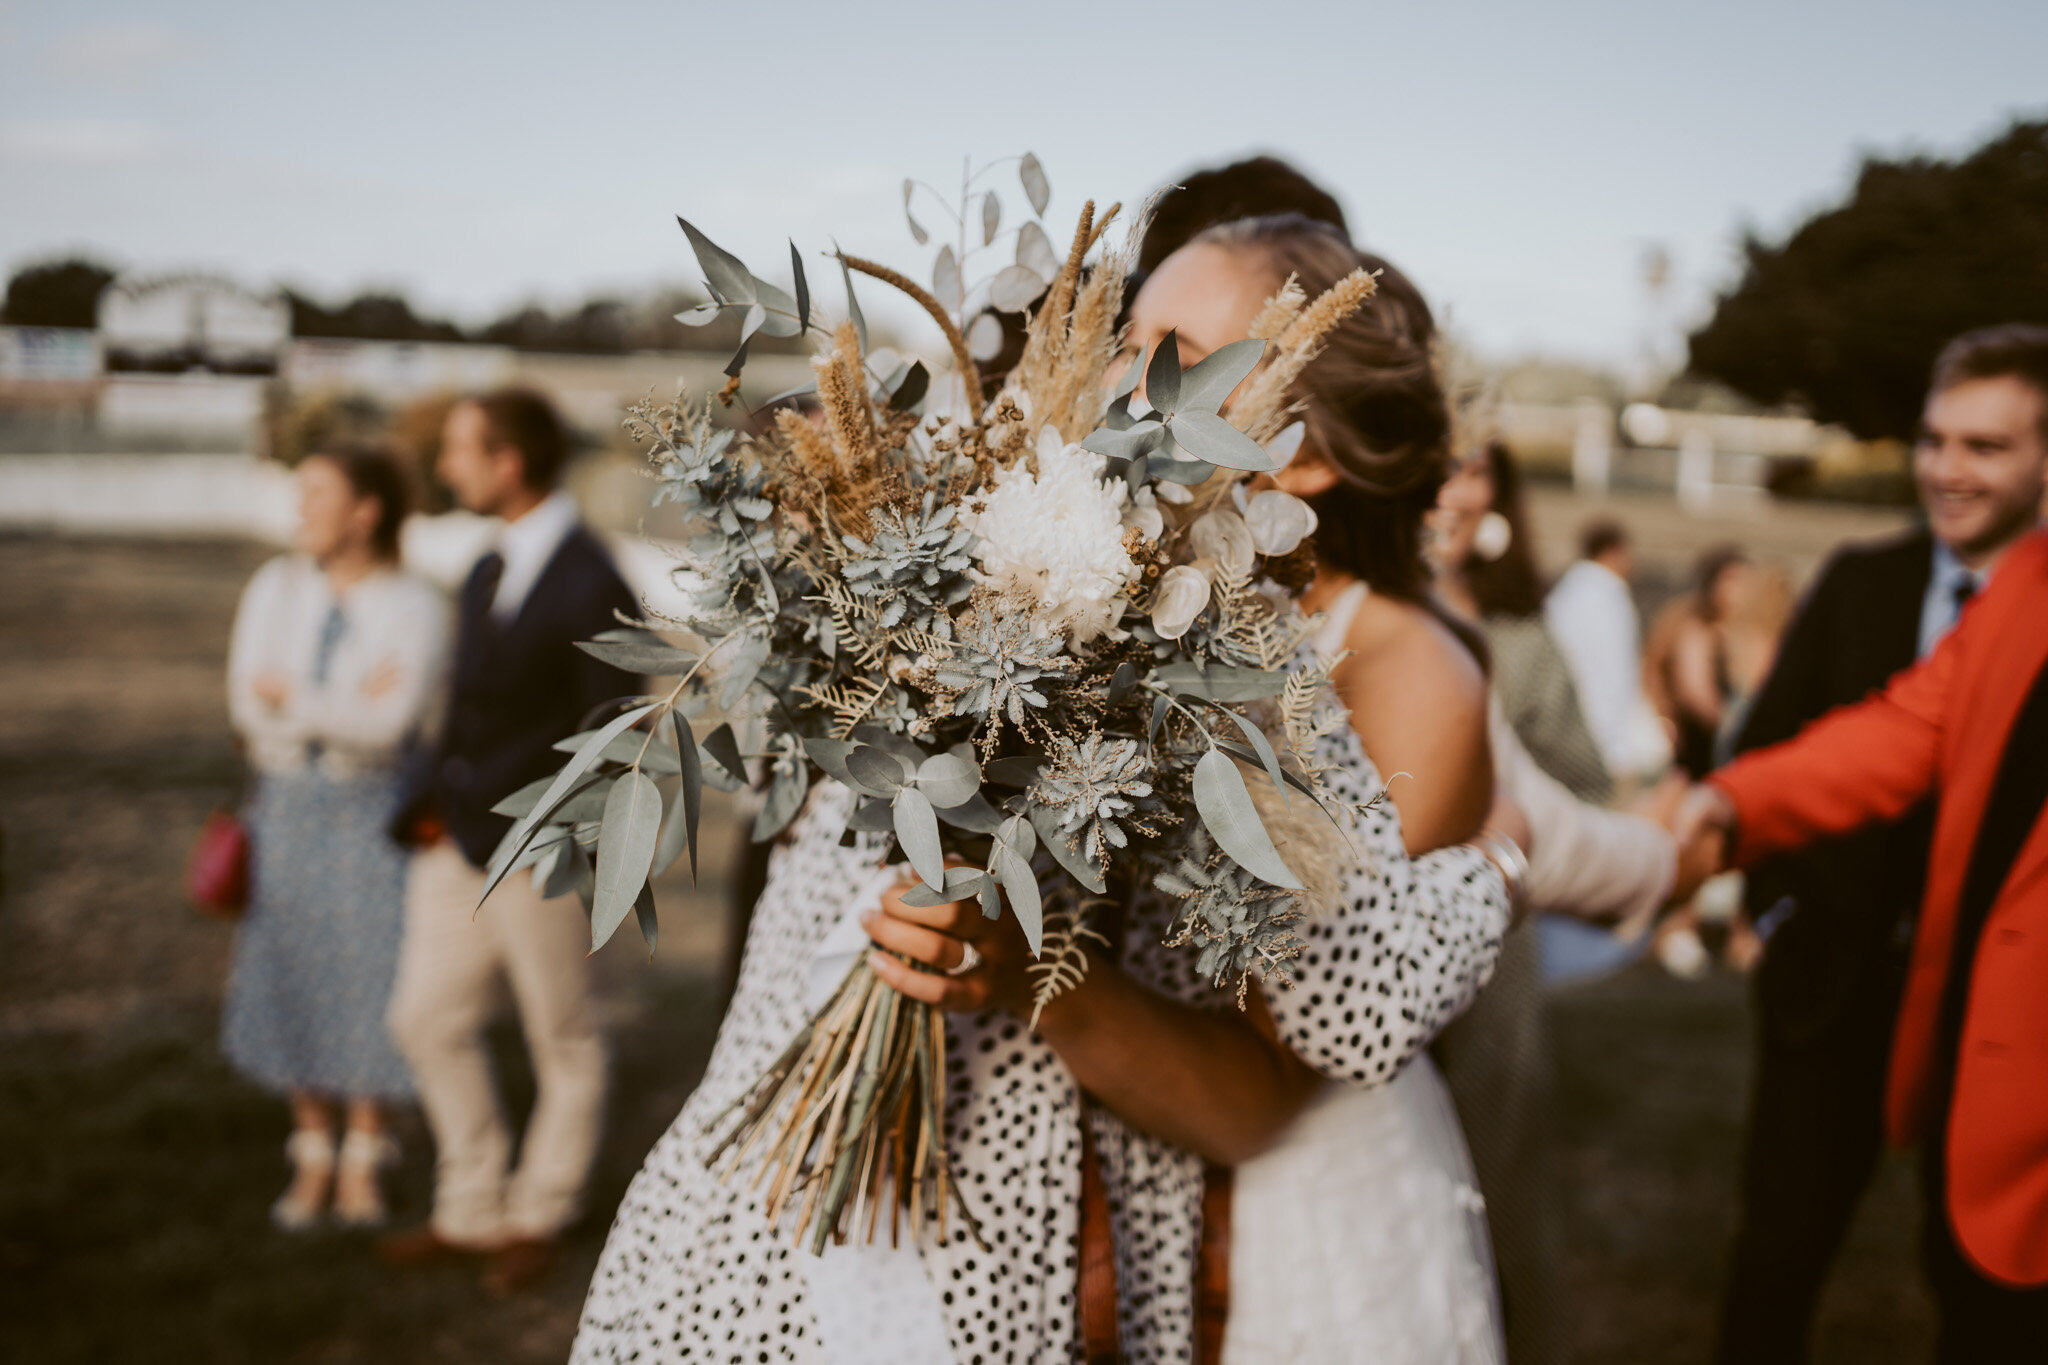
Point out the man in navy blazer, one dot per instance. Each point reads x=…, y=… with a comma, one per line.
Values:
x=520, y=684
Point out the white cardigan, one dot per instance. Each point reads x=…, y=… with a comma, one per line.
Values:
x=397, y=632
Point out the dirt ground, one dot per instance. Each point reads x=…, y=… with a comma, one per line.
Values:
x=135, y=1168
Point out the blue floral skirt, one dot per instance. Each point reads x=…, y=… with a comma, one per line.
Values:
x=318, y=945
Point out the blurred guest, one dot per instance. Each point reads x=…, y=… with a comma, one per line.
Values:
x=1757, y=616
x=1487, y=572
x=335, y=670
x=520, y=684
x=1593, y=619
x=1968, y=1076
x=1843, y=908
x=1583, y=860
x=1685, y=663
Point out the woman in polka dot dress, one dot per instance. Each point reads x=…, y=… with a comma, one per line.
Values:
x=1161, y=1068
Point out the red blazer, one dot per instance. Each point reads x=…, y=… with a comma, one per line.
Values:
x=1940, y=727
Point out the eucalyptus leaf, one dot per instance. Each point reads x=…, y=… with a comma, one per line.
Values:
x=1018, y=770
x=580, y=763
x=991, y=217
x=872, y=815
x=544, y=860
x=571, y=870
x=1294, y=780
x=946, y=278
x=1035, y=253
x=1216, y=376
x=830, y=754
x=1036, y=188
x=649, y=656
x=1014, y=288
x=905, y=396
x=1122, y=681
x=1134, y=371
x=860, y=324
x=1281, y=448
x=756, y=315
x=887, y=740
x=729, y=280
x=737, y=363
x=643, y=912
x=1207, y=436
x=779, y=307
x=1014, y=873
x=917, y=231
x=974, y=815
x=1160, y=706
x=1133, y=443
x=625, y=852
x=741, y=669
x=875, y=771
x=1018, y=836
x=917, y=831
x=1263, y=747
x=803, y=289
x=1066, y=848
x=586, y=803
x=1188, y=472
x=785, y=798
x=985, y=337
x=1225, y=805
x=991, y=897
x=1221, y=683
x=525, y=799
x=724, y=748
x=628, y=749
x=700, y=315
x=691, y=793
x=1162, y=376
x=948, y=780
x=960, y=884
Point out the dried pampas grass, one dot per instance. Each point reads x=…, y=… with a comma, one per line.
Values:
x=1264, y=406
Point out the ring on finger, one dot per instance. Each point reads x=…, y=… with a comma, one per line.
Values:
x=970, y=958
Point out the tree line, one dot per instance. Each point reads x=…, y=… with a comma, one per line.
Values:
x=66, y=293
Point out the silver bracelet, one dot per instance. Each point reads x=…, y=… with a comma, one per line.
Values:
x=1507, y=858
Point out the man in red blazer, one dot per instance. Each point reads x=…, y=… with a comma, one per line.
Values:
x=1969, y=1067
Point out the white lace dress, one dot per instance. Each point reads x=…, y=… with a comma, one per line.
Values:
x=693, y=1272
x=1361, y=1236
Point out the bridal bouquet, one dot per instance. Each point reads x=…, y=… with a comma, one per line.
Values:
x=1036, y=634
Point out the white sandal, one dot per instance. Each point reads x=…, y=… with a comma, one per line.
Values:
x=311, y=1153
x=366, y=1154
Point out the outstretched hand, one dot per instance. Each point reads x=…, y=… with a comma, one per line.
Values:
x=1699, y=822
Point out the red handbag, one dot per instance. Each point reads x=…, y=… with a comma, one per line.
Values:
x=217, y=873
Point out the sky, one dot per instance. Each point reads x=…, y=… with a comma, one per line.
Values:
x=1517, y=160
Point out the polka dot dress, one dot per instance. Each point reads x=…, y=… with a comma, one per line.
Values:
x=692, y=1272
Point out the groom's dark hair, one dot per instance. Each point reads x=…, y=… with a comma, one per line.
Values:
x=1256, y=187
x=527, y=422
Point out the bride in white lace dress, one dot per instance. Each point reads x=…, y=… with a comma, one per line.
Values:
x=1158, y=1066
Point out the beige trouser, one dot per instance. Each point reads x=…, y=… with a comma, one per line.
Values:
x=451, y=969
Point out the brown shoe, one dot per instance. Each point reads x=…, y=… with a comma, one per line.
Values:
x=422, y=1246
x=520, y=1264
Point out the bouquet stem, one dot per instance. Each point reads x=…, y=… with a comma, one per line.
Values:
x=849, y=1116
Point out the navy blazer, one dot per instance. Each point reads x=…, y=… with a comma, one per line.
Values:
x=522, y=685
x=1856, y=896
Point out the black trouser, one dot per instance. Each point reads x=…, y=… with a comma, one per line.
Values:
x=1982, y=1322
x=1815, y=1129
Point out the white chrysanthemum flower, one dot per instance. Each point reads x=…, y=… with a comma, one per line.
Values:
x=1058, y=534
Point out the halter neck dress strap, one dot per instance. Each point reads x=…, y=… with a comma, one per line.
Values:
x=1337, y=618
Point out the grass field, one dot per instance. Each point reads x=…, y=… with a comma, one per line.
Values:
x=135, y=1169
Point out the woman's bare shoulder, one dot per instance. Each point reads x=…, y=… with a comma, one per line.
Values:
x=1401, y=645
